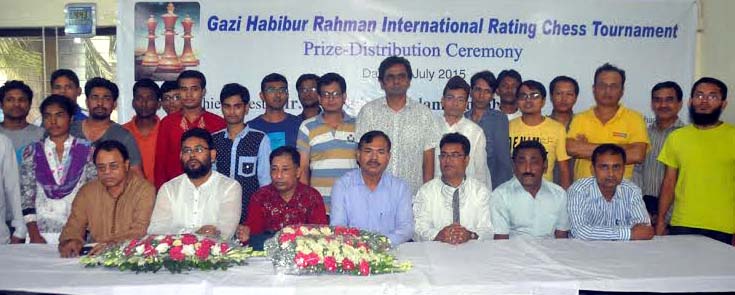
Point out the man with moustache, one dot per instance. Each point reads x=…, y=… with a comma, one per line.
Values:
x=508, y=82
x=282, y=128
x=606, y=206
x=666, y=103
x=200, y=201
x=528, y=205
x=700, y=169
x=144, y=125
x=308, y=96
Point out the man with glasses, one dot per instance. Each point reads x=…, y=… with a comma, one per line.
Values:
x=192, y=88
x=607, y=122
x=308, y=96
x=326, y=143
x=700, y=169
x=454, y=103
x=200, y=201
x=453, y=208
x=170, y=99
x=282, y=128
x=532, y=125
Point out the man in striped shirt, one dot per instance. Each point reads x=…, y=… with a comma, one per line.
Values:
x=327, y=142
x=605, y=206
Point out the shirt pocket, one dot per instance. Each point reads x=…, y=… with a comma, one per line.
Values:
x=246, y=166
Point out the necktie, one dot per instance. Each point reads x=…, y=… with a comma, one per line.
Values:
x=455, y=206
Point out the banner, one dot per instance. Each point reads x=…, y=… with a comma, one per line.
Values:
x=242, y=41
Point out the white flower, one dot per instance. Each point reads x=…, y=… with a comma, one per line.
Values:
x=162, y=247
x=304, y=230
x=314, y=231
x=188, y=250
x=216, y=250
x=289, y=230
x=326, y=231
x=139, y=250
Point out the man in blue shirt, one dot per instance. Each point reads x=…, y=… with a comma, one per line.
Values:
x=370, y=198
x=282, y=128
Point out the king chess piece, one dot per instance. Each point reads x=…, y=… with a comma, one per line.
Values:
x=150, y=58
x=169, y=60
x=187, y=56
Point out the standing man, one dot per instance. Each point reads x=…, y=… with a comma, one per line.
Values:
x=10, y=195
x=171, y=100
x=192, y=88
x=700, y=169
x=410, y=125
x=508, y=82
x=454, y=103
x=242, y=152
x=666, y=103
x=493, y=123
x=607, y=122
x=532, y=125
x=16, y=99
x=308, y=96
x=564, y=91
x=65, y=82
x=144, y=125
x=327, y=142
x=101, y=101
x=282, y=128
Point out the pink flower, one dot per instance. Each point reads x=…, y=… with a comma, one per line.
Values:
x=340, y=230
x=188, y=239
x=133, y=243
x=207, y=243
x=149, y=251
x=128, y=250
x=223, y=248
x=312, y=259
x=176, y=254
x=330, y=263
x=168, y=239
x=347, y=264
x=300, y=260
x=286, y=238
x=353, y=231
x=202, y=253
x=364, y=267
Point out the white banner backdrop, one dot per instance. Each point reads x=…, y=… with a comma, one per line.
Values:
x=242, y=41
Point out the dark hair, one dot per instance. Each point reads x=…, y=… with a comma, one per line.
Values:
x=607, y=67
x=192, y=74
x=169, y=86
x=286, y=150
x=306, y=77
x=557, y=79
x=110, y=145
x=330, y=78
x=710, y=80
x=456, y=138
x=55, y=99
x=487, y=76
x=370, y=136
x=509, y=74
x=456, y=82
x=391, y=61
x=15, y=84
x=198, y=133
x=668, y=84
x=234, y=89
x=101, y=82
x=533, y=85
x=69, y=74
x=272, y=77
x=607, y=149
x=147, y=83
x=530, y=144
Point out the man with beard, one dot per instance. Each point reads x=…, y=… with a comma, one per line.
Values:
x=606, y=206
x=282, y=128
x=700, y=169
x=308, y=96
x=508, y=82
x=114, y=207
x=101, y=101
x=528, y=205
x=199, y=201
x=16, y=99
x=144, y=125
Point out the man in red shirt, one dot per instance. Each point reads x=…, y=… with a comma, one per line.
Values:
x=192, y=88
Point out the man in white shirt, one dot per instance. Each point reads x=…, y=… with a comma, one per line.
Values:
x=527, y=205
x=10, y=194
x=454, y=102
x=454, y=208
x=199, y=201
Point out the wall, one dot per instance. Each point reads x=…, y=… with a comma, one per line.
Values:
x=37, y=13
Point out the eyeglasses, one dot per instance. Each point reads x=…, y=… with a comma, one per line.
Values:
x=282, y=90
x=333, y=94
x=529, y=96
x=486, y=91
x=114, y=166
x=169, y=98
x=708, y=97
x=459, y=99
x=451, y=156
x=307, y=90
x=196, y=150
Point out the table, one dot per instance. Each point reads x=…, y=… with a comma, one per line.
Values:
x=664, y=264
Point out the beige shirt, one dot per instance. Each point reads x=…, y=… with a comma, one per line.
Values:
x=109, y=219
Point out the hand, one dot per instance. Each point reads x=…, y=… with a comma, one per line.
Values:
x=660, y=228
x=37, y=239
x=453, y=234
x=208, y=230
x=99, y=248
x=243, y=233
x=581, y=138
x=70, y=248
x=641, y=231
x=14, y=240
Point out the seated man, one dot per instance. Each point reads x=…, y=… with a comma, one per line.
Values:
x=199, y=201
x=284, y=202
x=528, y=205
x=116, y=192
x=370, y=198
x=605, y=206
x=454, y=208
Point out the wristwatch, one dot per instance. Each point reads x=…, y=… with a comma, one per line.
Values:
x=473, y=236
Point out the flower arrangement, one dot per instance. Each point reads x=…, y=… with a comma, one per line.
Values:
x=176, y=253
x=312, y=249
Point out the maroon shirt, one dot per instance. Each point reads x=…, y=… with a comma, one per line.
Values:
x=268, y=212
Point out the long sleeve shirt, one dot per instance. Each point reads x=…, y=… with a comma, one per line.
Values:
x=477, y=168
x=111, y=219
x=182, y=207
x=495, y=126
x=594, y=218
x=9, y=192
x=432, y=208
x=269, y=212
x=515, y=212
x=386, y=210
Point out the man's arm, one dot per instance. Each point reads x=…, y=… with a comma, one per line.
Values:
x=561, y=234
x=483, y=228
x=565, y=174
x=305, y=176
x=304, y=148
x=162, y=217
x=230, y=209
x=499, y=216
x=141, y=215
x=425, y=229
x=404, y=218
x=580, y=148
x=264, y=163
x=666, y=198
x=582, y=229
x=72, y=235
x=11, y=186
x=338, y=206
x=635, y=152
x=501, y=140
x=162, y=150
x=428, y=165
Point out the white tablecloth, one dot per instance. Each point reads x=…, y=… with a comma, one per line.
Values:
x=668, y=264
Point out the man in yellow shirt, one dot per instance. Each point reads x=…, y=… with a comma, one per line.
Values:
x=532, y=125
x=700, y=169
x=607, y=122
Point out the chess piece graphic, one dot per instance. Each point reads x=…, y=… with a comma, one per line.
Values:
x=150, y=58
x=169, y=60
x=187, y=56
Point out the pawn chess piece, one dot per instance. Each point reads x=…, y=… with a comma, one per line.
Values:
x=150, y=57
x=169, y=62
x=187, y=56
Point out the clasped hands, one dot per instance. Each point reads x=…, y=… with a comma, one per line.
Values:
x=455, y=234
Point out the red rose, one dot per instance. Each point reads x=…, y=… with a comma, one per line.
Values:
x=286, y=238
x=128, y=251
x=362, y=245
x=189, y=239
x=364, y=267
x=330, y=263
x=339, y=230
x=223, y=248
x=207, y=243
x=353, y=231
x=300, y=260
x=312, y=259
x=168, y=240
x=347, y=264
x=133, y=243
x=176, y=254
x=202, y=253
x=149, y=251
